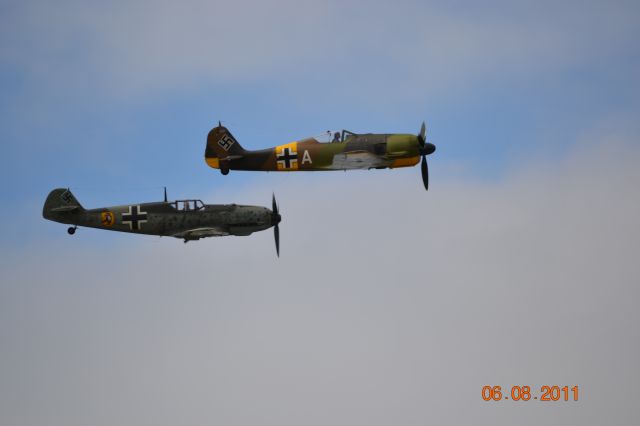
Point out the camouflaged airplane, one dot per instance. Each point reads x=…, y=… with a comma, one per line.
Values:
x=347, y=151
x=186, y=219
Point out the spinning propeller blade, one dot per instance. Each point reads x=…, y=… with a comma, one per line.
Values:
x=426, y=148
x=425, y=172
x=275, y=218
x=276, y=235
x=422, y=137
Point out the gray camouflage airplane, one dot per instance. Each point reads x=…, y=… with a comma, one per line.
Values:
x=185, y=219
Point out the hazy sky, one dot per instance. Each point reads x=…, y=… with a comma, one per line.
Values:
x=388, y=305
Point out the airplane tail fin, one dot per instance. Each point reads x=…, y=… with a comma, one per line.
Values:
x=221, y=145
x=60, y=201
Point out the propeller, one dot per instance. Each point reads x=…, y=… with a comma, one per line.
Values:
x=426, y=148
x=275, y=219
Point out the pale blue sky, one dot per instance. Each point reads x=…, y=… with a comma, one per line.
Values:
x=123, y=94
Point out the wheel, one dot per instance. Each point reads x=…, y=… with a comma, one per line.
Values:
x=224, y=170
x=71, y=230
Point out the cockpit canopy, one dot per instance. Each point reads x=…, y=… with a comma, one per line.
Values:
x=330, y=136
x=347, y=134
x=187, y=205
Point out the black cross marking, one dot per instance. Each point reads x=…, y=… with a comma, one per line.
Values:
x=287, y=157
x=135, y=218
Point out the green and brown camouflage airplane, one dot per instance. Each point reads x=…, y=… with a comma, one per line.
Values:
x=347, y=151
x=186, y=219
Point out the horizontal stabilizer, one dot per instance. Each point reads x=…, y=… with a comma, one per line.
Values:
x=65, y=208
x=230, y=157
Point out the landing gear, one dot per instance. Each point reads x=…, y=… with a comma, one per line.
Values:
x=224, y=168
x=72, y=230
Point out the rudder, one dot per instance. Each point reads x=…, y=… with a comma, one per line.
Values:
x=60, y=200
x=221, y=145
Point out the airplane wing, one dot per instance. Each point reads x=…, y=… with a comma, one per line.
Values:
x=357, y=160
x=197, y=233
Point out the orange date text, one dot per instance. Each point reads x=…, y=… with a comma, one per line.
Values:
x=524, y=393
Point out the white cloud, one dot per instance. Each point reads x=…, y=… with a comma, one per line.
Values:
x=388, y=305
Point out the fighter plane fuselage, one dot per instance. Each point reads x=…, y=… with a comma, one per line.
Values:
x=348, y=152
x=187, y=219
